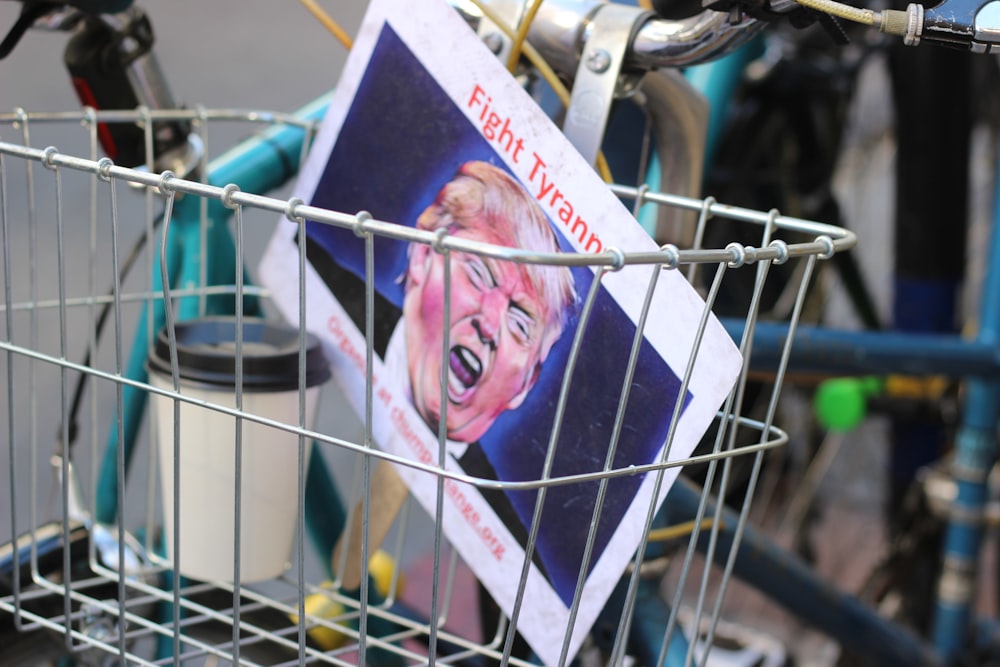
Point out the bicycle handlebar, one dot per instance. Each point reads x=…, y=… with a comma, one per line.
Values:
x=561, y=28
x=700, y=38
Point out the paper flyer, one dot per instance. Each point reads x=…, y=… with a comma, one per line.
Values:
x=435, y=134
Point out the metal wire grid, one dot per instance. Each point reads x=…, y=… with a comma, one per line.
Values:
x=90, y=619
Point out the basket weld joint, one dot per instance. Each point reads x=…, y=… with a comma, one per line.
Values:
x=782, y=249
x=228, y=192
x=290, y=206
x=164, y=185
x=104, y=166
x=671, y=256
x=617, y=258
x=49, y=156
x=827, y=242
x=361, y=220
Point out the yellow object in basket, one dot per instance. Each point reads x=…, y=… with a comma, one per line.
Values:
x=382, y=568
x=322, y=606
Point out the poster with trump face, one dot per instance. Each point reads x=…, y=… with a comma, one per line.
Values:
x=504, y=360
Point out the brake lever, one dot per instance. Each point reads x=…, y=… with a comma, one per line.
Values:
x=966, y=24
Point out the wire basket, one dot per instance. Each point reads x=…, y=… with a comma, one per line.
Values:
x=84, y=252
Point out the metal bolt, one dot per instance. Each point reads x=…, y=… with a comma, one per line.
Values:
x=494, y=42
x=598, y=61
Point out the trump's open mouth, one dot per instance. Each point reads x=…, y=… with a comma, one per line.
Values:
x=465, y=369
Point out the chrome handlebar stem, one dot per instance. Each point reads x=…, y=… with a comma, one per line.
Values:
x=561, y=28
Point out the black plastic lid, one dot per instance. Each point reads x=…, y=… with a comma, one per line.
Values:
x=206, y=351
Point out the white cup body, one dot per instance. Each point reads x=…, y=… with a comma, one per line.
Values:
x=207, y=471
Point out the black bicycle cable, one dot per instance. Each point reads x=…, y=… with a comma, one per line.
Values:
x=102, y=318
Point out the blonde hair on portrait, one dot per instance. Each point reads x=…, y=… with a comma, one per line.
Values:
x=482, y=196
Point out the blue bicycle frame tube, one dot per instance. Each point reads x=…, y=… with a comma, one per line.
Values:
x=820, y=349
x=840, y=352
x=651, y=618
x=794, y=585
x=975, y=452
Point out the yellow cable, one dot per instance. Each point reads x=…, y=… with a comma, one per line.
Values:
x=903, y=23
x=603, y=168
x=329, y=23
x=839, y=9
x=646, y=4
x=530, y=53
x=680, y=530
x=546, y=72
x=521, y=45
x=522, y=34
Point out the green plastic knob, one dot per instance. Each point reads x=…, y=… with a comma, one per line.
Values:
x=841, y=404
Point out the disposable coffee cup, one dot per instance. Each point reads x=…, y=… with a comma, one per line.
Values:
x=269, y=463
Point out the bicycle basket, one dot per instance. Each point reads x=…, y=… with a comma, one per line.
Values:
x=93, y=252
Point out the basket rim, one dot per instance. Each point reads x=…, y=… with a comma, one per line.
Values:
x=826, y=240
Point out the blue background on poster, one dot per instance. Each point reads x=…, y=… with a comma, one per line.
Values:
x=404, y=138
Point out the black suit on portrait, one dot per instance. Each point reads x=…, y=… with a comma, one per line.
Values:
x=350, y=292
x=474, y=462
